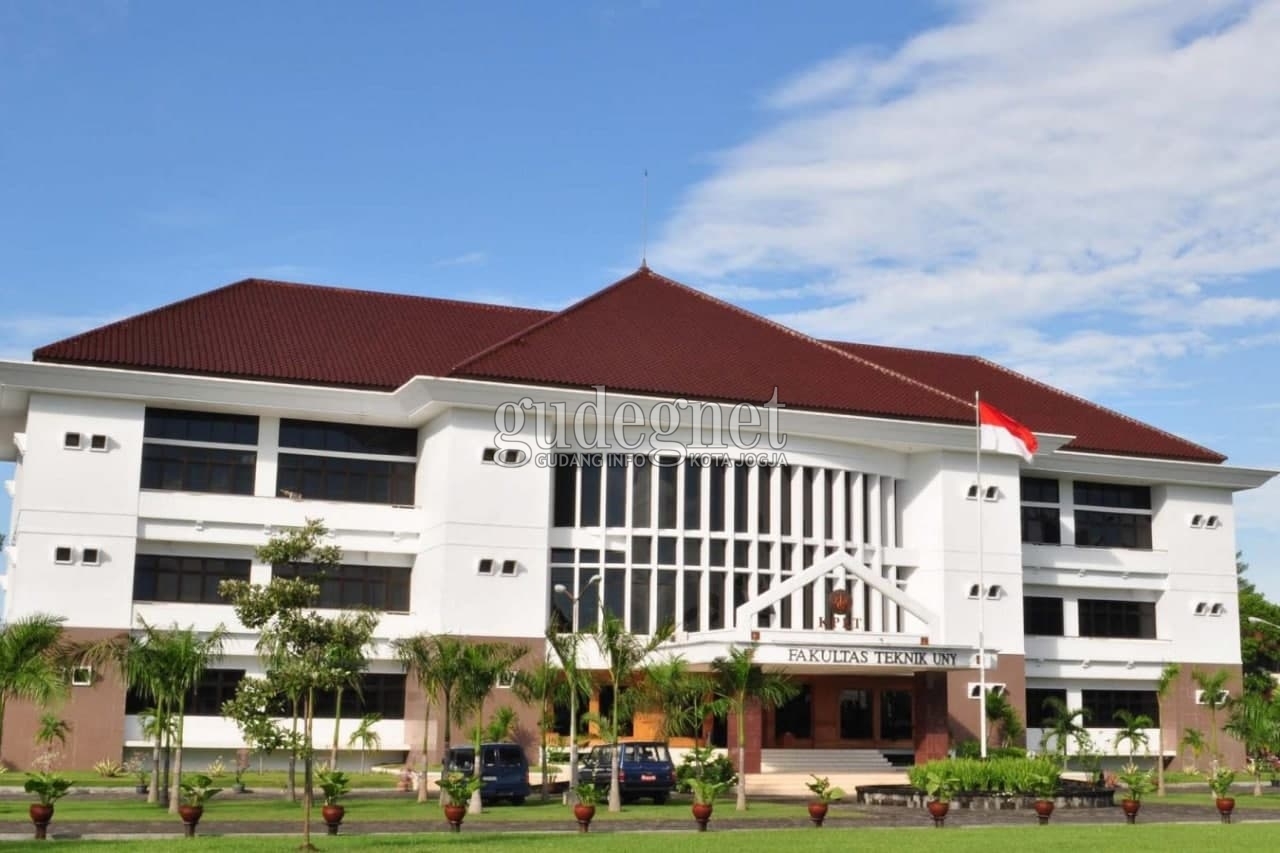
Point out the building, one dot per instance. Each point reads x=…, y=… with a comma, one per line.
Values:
x=838, y=530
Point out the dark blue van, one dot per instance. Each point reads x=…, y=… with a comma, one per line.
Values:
x=503, y=769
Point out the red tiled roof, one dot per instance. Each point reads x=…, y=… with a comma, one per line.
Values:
x=1039, y=406
x=644, y=334
x=298, y=333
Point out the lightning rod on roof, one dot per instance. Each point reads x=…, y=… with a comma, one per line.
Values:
x=644, y=223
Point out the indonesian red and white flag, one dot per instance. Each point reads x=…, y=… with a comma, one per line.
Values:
x=1003, y=434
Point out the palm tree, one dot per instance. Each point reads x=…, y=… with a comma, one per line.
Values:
x=541, y=686
x=1132, y=728
x=32, y=656
x=366, y=735
x=623, y=653
x=684, y=697
x=577, y=686
x=1255, y=722
x=51, y=728
x=1060, y=727
x=1193, y=739
x=1164, y=685
x=418, y=654
x=483, y=665
x=1213, y=692
x=739, y=682
x=1002, y=716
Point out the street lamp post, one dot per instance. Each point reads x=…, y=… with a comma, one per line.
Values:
x=573, y=688
x=1258, y=620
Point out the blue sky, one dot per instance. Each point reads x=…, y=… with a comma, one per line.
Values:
x=1086, y=191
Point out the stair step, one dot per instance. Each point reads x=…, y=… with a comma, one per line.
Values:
x=823, y=760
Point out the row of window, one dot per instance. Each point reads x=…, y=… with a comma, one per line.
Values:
x=195, y=580
x=1043, y=616
x=1100, y=706
x=1106, y=515
x=191, y=467
x=378, y=693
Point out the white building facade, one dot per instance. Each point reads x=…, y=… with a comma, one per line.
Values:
x=859, y=555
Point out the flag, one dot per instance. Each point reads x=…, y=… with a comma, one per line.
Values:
x=1003, y=434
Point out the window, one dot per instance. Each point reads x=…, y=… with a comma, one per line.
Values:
x=348, y=438
x=564, y=493
x=1101, y=705
x=205, y=427
x=1040, y=490
x=1041, y=525
x=485, y=567
x=185, y=468
x=72, y=441
x=81, y=676
x=895, y=715
x=191, y=580
x=1037, y=713
x=1112, y=495
x=91, y=556
x=1132, y=619
x=379, y=693
x=215, y=687
x=668, y=472
x=98, y=443
x=855, y=714
x=63, y=554
x=1112, y=530
x=692, y=493
x=340, y=478
x=1042, y=616
x=378, y=587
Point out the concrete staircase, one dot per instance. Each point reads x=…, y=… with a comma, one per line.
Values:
x=824, y=762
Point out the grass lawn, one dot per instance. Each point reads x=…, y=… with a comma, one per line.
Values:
x=231, y=808
x=1155, y=838
x=1244, y=799
x=269, y=780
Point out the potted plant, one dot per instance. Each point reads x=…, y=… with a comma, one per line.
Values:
x=704, y=793
x=1043, y=786
x=458, y=788
x=334, y=784
x=587, y=796
x=1220, y=783
x=196, y=790
x=824, y=794
x=242, y=767
x=48, y=788
x=938, y=790
x=1138, y=784
x=137, y=767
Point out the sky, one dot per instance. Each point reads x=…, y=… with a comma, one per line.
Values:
x=1086, y=191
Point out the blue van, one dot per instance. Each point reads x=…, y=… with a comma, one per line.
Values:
x=504, y=769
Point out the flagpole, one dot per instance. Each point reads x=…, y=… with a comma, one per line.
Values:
x=982, y=587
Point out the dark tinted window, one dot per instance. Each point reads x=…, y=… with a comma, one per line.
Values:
x=1112, y=530
x=1112, y=495
x=564, y=496
x=376, y=587
x=379, y=693
x=205, y=700
x=1102, y=706
x=201, y=426
x=1042, y=616
x=1036, y=697
x=1131, y=619
x=1039, y=490
x=1041, y=525
x=348, y=438
x=336, y=478
x=176, y=467
x=187, y=579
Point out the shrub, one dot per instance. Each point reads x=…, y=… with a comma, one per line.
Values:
x=706, y=764
x=1005, y=775
x=108, y=768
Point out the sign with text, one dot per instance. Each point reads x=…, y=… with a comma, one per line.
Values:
x=913, y=658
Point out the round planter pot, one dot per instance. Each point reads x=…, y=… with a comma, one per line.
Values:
x=141, y=789
x=701, y=814
x=1130, y=809
x=938, y=811
x=1226, y=805
x=238, y=788
x=40, y=816
x=818, y=812
x=1044, y=808
x=584, y=814
x=454, y=814
x=190, y=817
x=333, y=816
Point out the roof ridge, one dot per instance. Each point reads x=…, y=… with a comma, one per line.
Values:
x=357, y=291
x=899, y=348
x=1127, y=418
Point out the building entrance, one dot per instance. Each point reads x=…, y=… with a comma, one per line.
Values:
x=835, y=712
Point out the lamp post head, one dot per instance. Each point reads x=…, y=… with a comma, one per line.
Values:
x=587, y=585
x=562, y=589
x=1258, y=620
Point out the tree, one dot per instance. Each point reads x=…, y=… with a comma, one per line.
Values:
x=1132, y=728
x=33, y=654
x=623, y=654
x=578, y=684
x=1002, y=717
x=483, y=665
x=1164, y=686
x=1255, y=721
x=1213, y=692
x=1193, y=739
x=1060, y=727
x=739, y=682
x=366, y=735
x=304, y=652
x=254, y=708
x=1259, y=638
x=50, y=728
x=418, y=654
x=542, y=686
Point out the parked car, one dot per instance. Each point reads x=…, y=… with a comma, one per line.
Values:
x=504, y=769
x=644, y=770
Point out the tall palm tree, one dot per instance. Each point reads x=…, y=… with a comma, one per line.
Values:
x=366, y=735
x=684, y=697
x=33, y=651
x=419, y=654
x=542, y=686
x=1060, y=727
x=578, y=684
x=623, y=654
x=1255, y=722
x=1132, y=728
x=1164, y=686
x=740, y=682
x=483, y=664
x=1002, y=716
x=1213, y=691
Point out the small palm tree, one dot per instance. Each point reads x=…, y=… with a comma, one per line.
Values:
x=1002, y=717
x=33, y=654
x=51, y=728
x=1164, y=686
x=1193, y=739
x=1213, y=692
x=1255, y=722
x=542, y=686
x=1132, y=729
x=366, y=735
x=1060, y=726
x=740, y=682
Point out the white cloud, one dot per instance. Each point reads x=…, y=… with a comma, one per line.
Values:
x=464, y=260
x=1074, y=166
